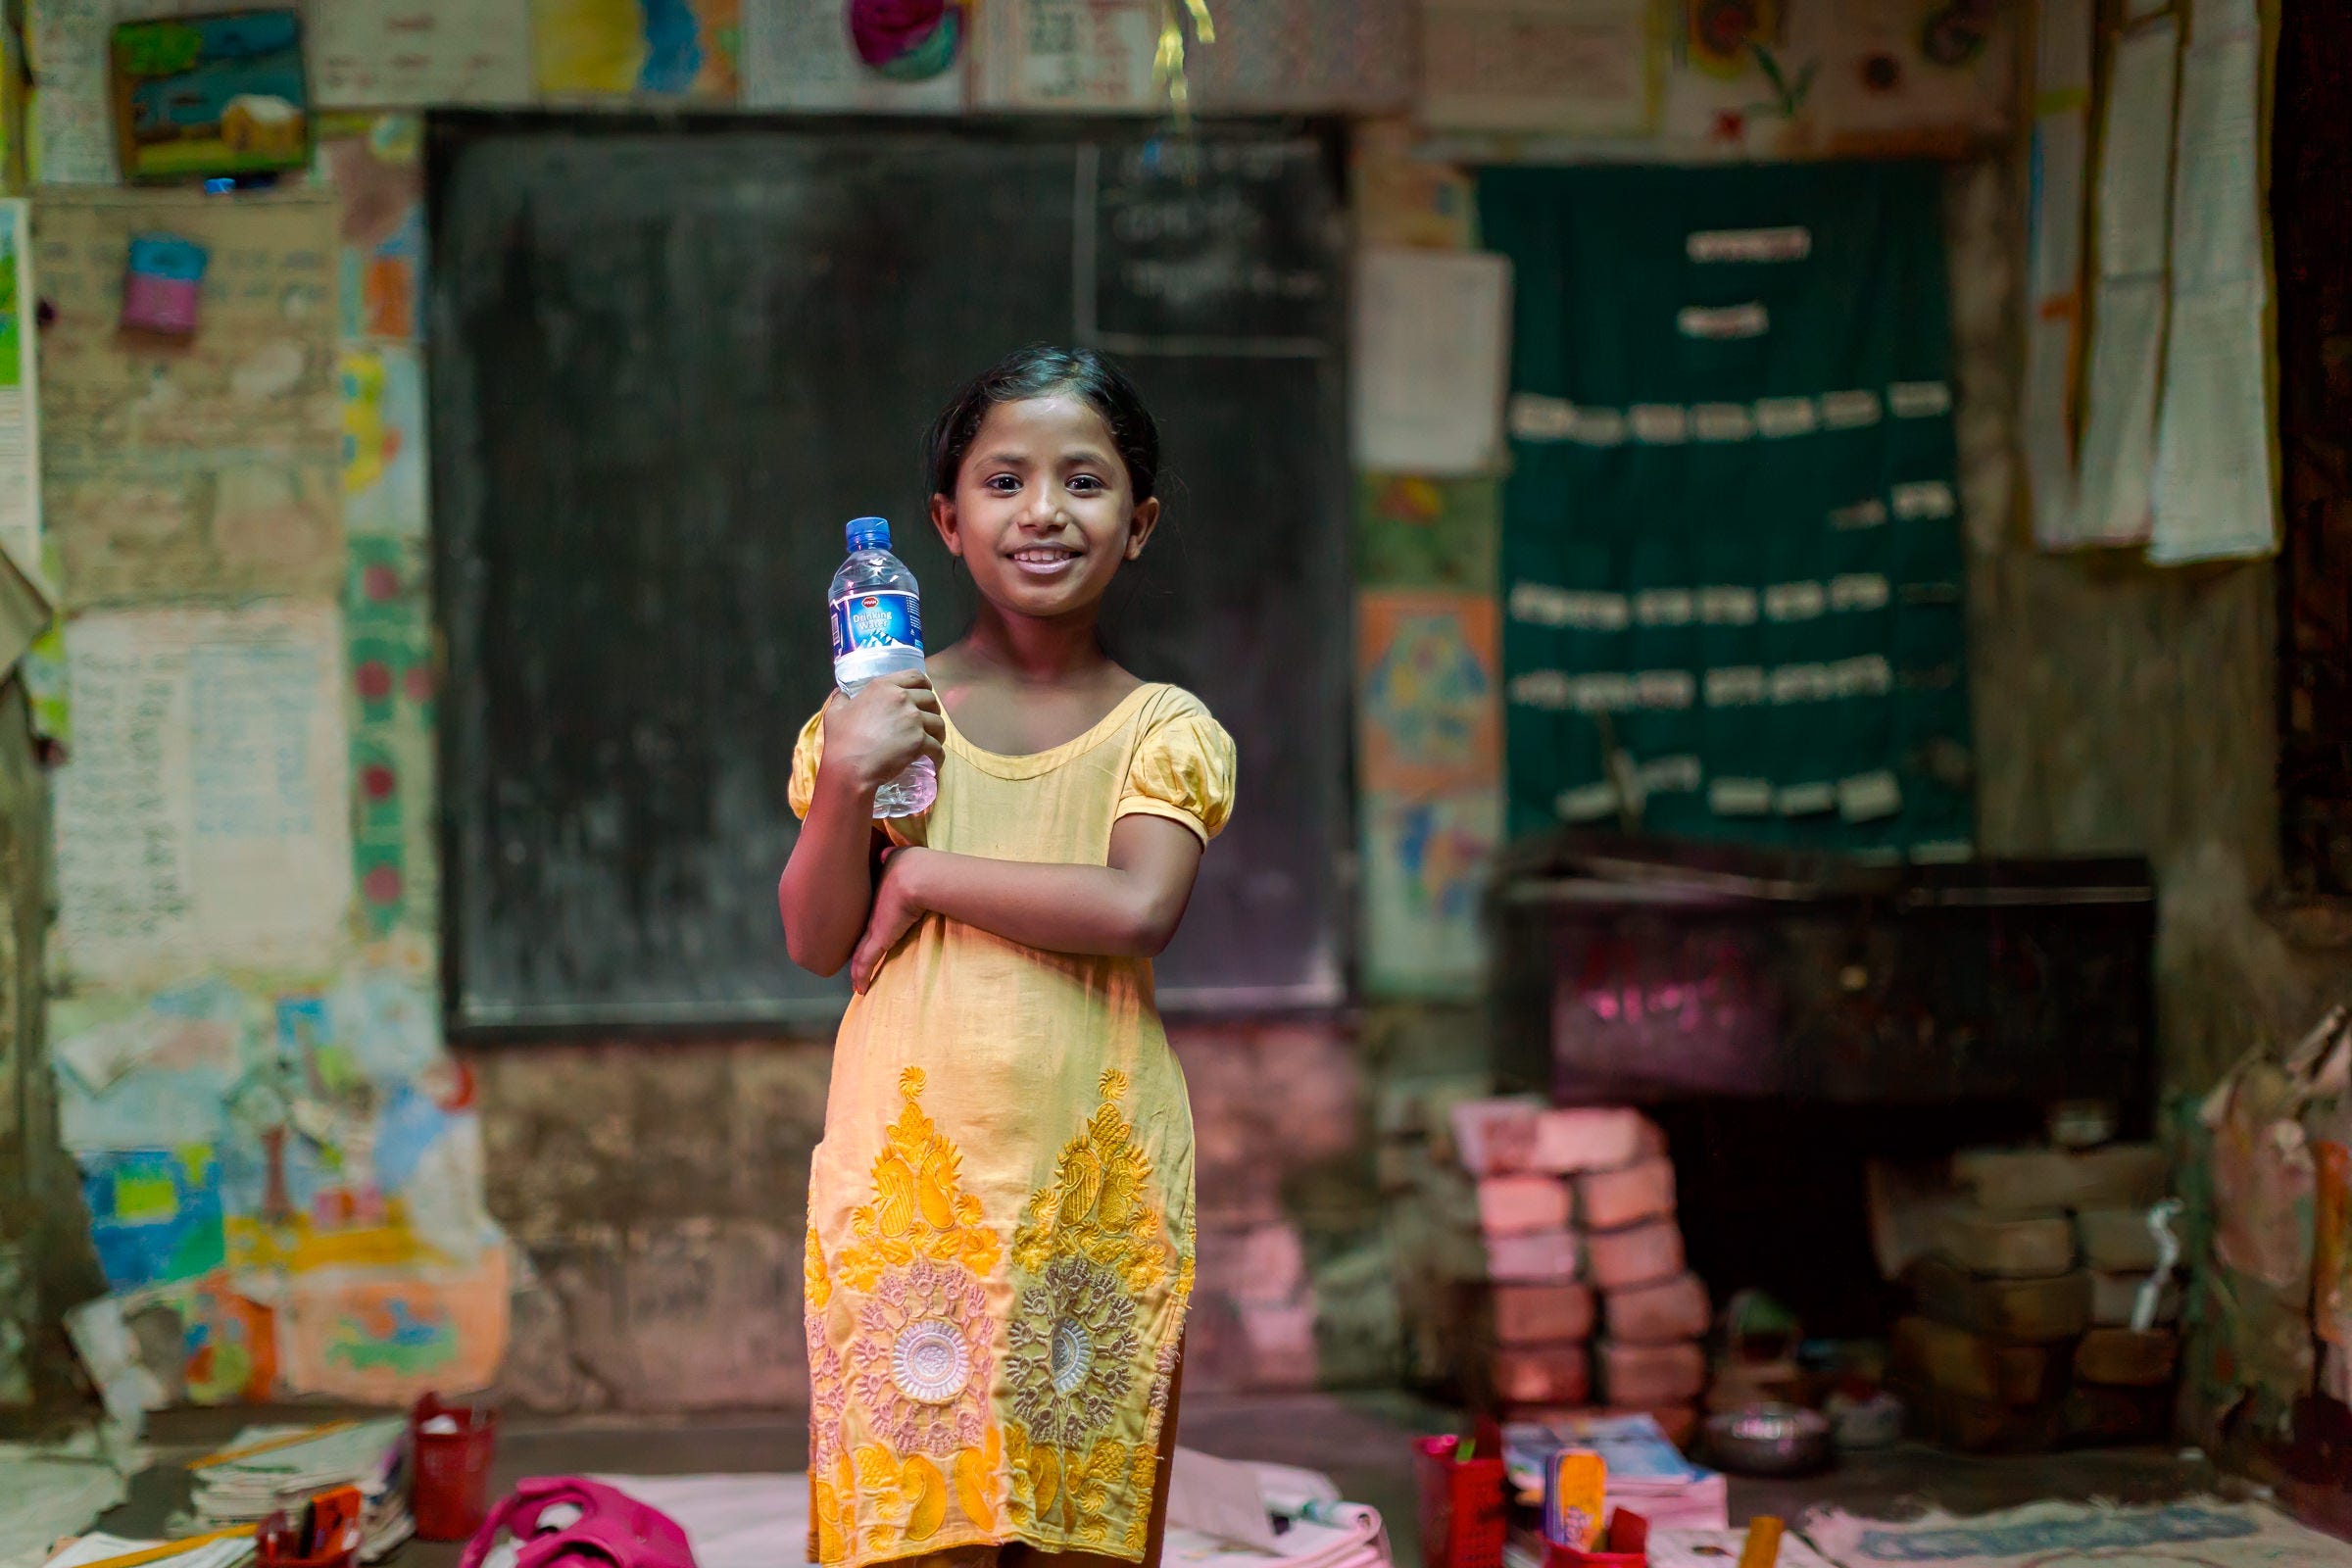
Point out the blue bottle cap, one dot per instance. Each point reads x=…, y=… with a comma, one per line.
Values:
x=869, y=533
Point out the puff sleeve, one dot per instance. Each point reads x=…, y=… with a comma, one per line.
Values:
x=1183, y=770
x=807, y=753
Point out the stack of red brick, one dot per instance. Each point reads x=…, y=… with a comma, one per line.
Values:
x=2021, y=1339
x=1586, y=1299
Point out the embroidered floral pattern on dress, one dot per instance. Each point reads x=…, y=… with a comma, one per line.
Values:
x=920, y=1359
x=1073, y=1349
x=827, y=1397
x=1100, y=1207
x=919, y=1209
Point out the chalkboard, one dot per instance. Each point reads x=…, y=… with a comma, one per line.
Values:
x=668, y=360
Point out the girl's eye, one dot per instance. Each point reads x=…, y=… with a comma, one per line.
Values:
x=1086, y=484
x=1002, y=484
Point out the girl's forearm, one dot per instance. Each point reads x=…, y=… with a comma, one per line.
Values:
x=1105, y=910
x=827, y=888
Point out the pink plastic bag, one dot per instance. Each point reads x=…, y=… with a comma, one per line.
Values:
x=612, y=1529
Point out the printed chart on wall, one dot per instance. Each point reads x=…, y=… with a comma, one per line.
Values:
x=1731, y=555
x=202, y=469
x=20, y=420
x=399, y=54
x=176, y=850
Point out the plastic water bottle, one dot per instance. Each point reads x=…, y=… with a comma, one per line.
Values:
x=878, y=630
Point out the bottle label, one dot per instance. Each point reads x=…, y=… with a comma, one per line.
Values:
x=876, y=620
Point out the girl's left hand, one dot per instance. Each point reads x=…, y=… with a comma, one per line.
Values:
x=894, y=914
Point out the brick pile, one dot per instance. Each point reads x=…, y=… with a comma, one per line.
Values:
x=1583, y=1300
x=2020, y=1336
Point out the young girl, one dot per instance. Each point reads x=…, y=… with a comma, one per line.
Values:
x=1000, y=1214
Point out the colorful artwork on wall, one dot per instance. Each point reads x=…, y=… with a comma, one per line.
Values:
x=637, y=48
x=207, y=96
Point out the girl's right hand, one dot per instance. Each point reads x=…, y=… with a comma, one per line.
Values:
x=878, y=733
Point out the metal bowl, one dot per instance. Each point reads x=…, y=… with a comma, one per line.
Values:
x=1769, y=1440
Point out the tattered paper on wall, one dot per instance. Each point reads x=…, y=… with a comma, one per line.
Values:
x=1579, y=68
x=205, y=469
x=263, y=1157
x=376, y=168
x=605, y=49
x=201, y=819
x=1067, y=55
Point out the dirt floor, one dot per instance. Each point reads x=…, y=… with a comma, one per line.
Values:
x=1359, y=1441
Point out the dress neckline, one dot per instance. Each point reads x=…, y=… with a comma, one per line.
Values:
x=1030, y=765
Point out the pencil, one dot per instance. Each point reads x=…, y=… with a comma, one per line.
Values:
x=269, y=1446
x=171, y=1549
x=1763, y=1548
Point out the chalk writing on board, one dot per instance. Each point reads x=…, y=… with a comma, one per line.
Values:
x=201, y=818
x=210, y=470
x=1212, y=244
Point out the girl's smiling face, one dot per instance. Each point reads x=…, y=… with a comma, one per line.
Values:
x=1044, y=512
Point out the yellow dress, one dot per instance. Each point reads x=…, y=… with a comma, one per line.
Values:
x=1001, y=1212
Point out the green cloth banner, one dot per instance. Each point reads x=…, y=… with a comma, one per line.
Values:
x=1732, y=565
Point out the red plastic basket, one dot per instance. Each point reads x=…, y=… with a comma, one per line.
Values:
x=449, y=1487
x=1462, y=1523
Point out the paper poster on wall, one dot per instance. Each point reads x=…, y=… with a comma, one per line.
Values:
x=1429, y=698
x=1067, y=55
x=797, y=54
x=384, y=1340
x=1426, y=863
x=2059, y=159
x=2217, y=480
x=1305, y=56
x=20, y=381
x=205, y=469
x=377, y=166
x=1417, y=532
x=413, y=54
x=383, y=441
x=155, y=1214
x=394, y=853
x=1737, y=78
x=2132, y=195
x=202, y=819
x=71, y=115
x=1429, y=361
x=1566, y=66
x=1403, y=199
x=587, y=49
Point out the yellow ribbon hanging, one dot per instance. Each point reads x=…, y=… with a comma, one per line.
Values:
x=1167, y=60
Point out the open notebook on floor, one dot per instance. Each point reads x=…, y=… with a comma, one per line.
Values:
x=762, y=1521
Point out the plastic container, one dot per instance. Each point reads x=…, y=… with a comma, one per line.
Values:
x=876, y=612
x=1463, y=1524
x=1627, y=1545
x=451, y=1446
x=332, y=1517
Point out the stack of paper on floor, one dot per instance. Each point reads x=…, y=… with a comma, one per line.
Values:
x=100, y=1548
x=266, y=1469
x=1647, y=1474
x=762, y=1521
x=49, y=1491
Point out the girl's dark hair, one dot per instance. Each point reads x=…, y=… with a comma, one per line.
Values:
x=1040, y=371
